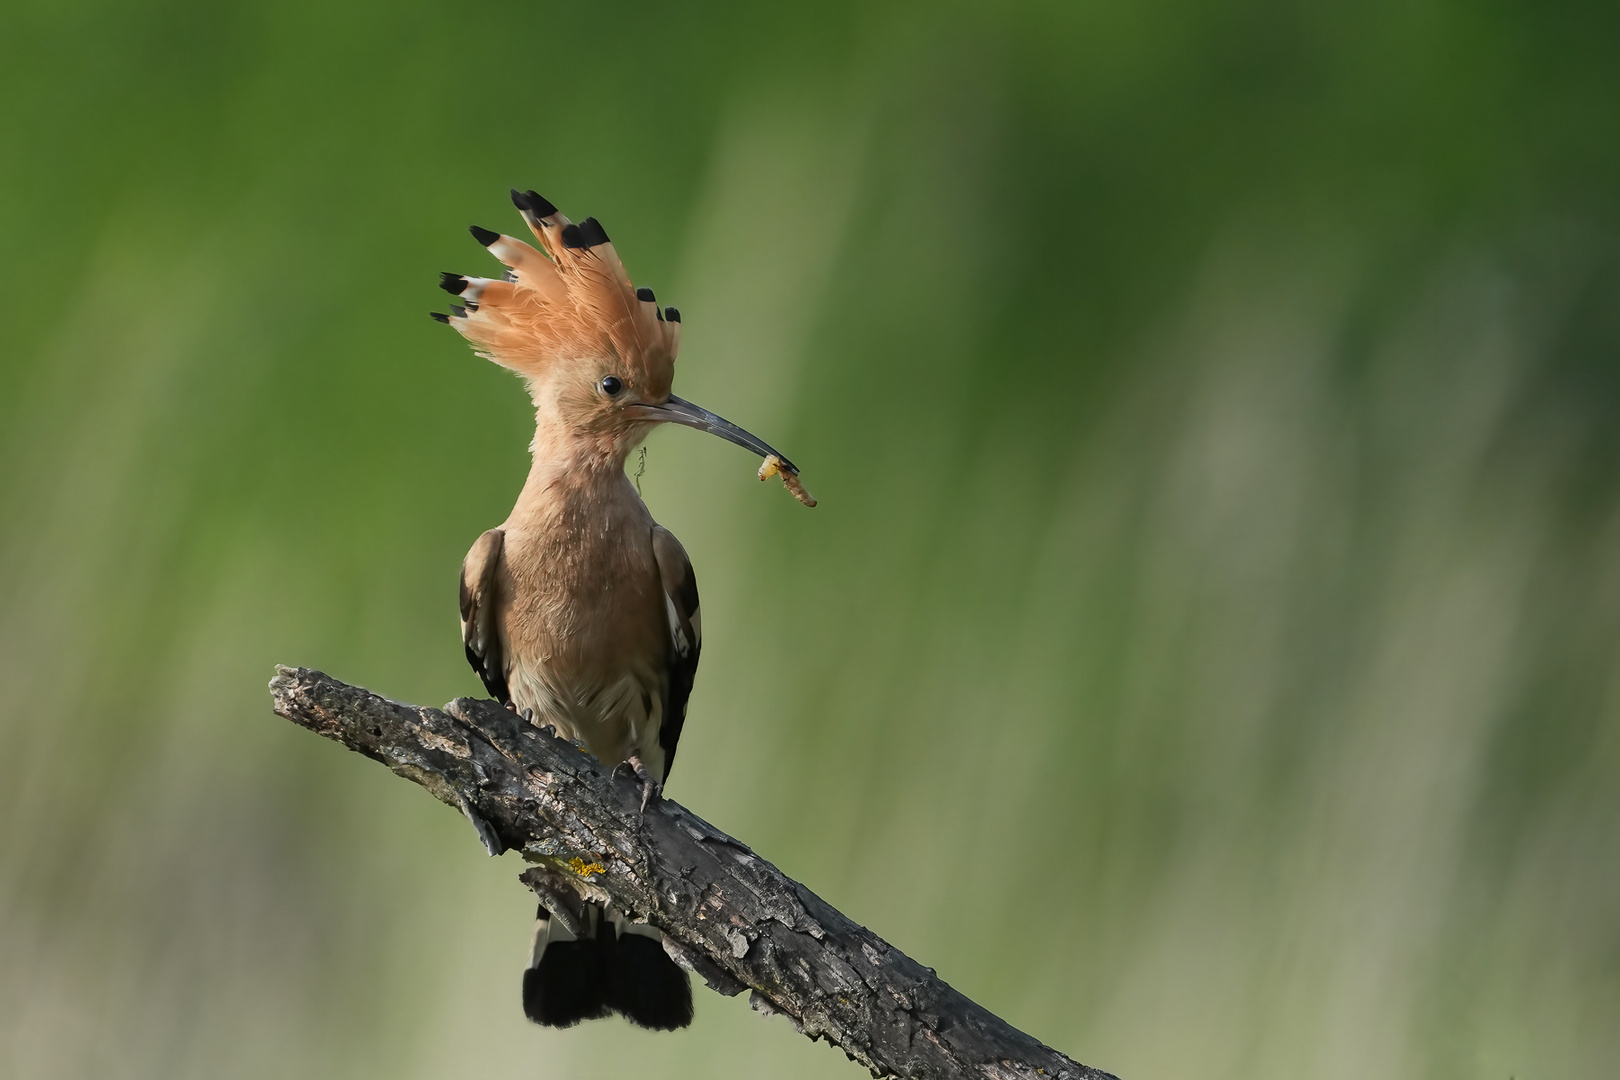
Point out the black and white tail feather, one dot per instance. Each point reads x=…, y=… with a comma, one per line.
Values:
x=617, y=967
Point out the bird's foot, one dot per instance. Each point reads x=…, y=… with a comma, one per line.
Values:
x=530, y=719
x=650, y=787
x=548, y=725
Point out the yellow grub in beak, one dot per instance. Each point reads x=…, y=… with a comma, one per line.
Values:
x=774, y=466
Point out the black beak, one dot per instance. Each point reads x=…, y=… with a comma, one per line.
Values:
x=680, y=411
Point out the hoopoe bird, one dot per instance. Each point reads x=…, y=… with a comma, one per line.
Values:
x=580, y=612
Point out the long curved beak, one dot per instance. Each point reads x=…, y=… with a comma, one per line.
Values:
x=680, y=411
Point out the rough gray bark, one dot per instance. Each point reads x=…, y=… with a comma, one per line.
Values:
x=727, y=914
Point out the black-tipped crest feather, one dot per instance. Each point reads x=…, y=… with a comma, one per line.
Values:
x=533, y=202
x=592, y=231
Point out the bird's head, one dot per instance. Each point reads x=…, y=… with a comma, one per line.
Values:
x=598, y=354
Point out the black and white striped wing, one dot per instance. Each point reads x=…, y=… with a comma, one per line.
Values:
x=480, y=625
x=685, y=633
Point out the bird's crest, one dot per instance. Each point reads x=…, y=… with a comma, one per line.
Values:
x=572, y=301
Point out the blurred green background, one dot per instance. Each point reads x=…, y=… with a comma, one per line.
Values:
x=1203, y=653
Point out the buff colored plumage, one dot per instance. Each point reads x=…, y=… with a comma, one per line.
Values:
x=579, y=611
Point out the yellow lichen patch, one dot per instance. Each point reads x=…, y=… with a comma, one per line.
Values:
x=585, y=869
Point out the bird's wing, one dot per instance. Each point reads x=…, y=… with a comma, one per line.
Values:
x=480, y=615
x=685, y=632
x=574, y=299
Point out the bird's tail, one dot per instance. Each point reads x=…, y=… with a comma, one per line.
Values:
x=616, y=966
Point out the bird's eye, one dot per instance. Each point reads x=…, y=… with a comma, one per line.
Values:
x=611, y=385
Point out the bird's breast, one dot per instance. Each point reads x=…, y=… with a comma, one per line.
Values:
x=586, y=631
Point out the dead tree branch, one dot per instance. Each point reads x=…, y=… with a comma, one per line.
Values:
x=728, y=915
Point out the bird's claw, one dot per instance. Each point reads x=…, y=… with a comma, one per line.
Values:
x=650, y=788
x=528, y=716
